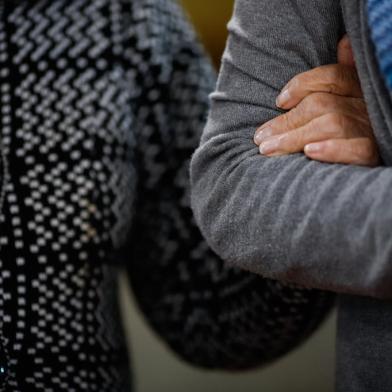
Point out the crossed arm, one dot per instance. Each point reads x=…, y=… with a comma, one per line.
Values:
x=286, y=217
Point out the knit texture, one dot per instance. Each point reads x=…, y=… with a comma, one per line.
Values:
x=327, y=226
x=380, y=24
x=102, y=104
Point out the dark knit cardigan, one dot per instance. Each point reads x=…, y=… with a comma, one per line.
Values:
x=102, y=104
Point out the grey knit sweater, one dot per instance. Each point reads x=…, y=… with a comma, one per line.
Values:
x=289, y=218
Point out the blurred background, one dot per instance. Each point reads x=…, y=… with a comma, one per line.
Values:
x=308, y=369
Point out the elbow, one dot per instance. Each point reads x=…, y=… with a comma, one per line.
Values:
x=210, y=198
x=229, y=212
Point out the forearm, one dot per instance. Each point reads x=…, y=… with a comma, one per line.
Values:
x=319, y=225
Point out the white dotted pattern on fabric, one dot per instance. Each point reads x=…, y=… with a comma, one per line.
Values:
x=102, y=105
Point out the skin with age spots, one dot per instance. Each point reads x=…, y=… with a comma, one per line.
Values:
x=327, y=118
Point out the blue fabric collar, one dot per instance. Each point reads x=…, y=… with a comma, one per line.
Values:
x=380, y=24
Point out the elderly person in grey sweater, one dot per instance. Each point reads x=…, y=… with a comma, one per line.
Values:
x=318, y=222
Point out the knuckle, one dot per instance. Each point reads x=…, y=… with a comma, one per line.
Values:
x=330, y=145
x=340, y=78
x=325, y=101
x=335, y=122
x=333, y=88
x=288, y=141
x=284, y=142
x=298, y=141
x=286, y=120
x=315, y=99
x=290, y=120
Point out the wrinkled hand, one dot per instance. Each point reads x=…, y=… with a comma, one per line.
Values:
x=327, y=117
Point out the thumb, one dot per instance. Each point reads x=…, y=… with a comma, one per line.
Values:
x=345, y=52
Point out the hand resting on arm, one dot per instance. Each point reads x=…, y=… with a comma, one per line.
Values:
x=327, y=117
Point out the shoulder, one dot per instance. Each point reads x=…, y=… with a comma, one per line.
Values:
x=159, y=29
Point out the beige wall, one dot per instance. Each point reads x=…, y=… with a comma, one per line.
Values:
x=308, y=369
x=210, y=18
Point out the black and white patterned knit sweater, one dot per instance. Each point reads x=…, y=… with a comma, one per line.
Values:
x=102, y=104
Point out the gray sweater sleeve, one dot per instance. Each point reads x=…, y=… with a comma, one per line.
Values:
x=288, y=218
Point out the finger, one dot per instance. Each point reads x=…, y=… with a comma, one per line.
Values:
x=313, y=106
x=329, y=126
x=286, y=122
x=336, y=79
x=359, y=151
x=345, y=52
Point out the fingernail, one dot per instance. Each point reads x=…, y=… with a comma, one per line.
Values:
x=262, y=134
x=313, y=148
x=269, y=146
x=283, y=98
